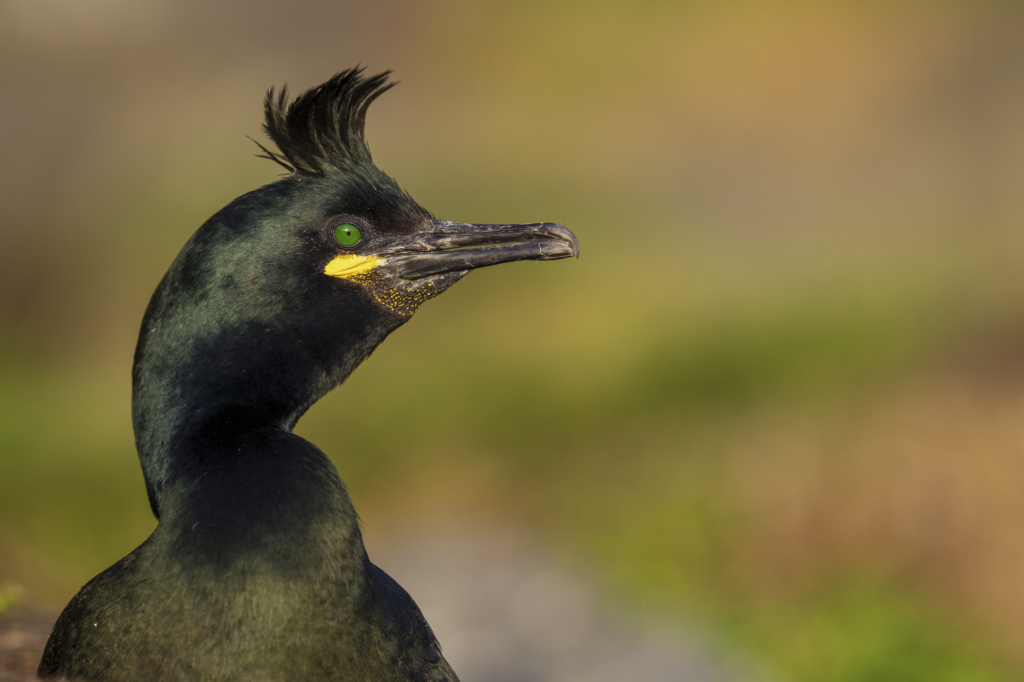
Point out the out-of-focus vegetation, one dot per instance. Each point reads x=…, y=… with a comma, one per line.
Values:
x=9, y=595
x=779, y=396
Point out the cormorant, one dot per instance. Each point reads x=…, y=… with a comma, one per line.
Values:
x=256, y=569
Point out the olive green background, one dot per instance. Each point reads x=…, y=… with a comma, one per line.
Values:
x=779, y=397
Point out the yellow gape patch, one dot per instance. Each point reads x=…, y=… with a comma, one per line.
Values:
x=362, y=269
x=348, y=265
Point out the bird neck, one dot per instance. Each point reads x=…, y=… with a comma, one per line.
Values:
x=202, y=396
x=266, y=500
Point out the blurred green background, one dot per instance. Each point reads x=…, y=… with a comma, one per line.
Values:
x=781, y=394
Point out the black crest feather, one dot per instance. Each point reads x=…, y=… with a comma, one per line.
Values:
x=323, y=127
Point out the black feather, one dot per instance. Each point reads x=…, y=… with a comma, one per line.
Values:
x=323, y=128
x=276, y=158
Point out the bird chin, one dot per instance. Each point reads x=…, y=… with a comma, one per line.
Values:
x=403, y=296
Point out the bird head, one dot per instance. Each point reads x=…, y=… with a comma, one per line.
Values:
x=373, y=234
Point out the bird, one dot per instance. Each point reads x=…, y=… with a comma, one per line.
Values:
x=256, y=569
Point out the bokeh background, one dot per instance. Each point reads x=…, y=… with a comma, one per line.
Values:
x=779, y=399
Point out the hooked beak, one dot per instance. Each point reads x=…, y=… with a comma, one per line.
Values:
x=461, y=247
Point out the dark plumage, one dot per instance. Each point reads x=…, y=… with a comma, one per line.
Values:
x=323, y=128
x=256, y=569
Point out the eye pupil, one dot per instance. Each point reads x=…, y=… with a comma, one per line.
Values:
x=347, y=234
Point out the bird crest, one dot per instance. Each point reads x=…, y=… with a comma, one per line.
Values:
x=323, y=128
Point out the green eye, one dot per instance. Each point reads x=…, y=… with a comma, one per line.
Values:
x=347, y=234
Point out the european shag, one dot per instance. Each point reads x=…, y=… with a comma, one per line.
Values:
x=256, y=569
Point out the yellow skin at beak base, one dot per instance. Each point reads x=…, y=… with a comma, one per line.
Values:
x=348, y=265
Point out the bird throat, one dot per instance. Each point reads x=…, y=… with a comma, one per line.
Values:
x=365, y=271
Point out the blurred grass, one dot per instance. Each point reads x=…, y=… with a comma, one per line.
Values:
x=10, y=594
x=778, y=395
